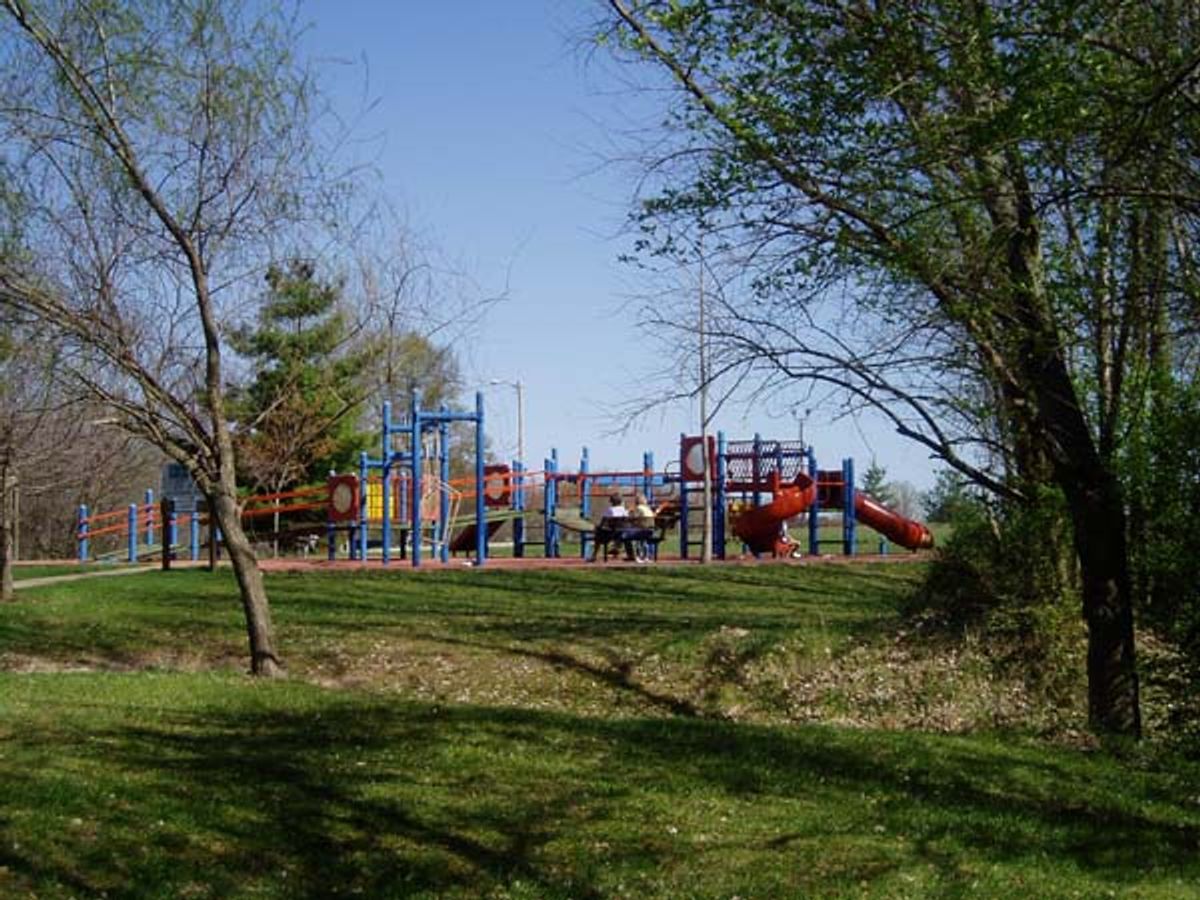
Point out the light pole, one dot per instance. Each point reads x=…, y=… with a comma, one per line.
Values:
x=520, y=389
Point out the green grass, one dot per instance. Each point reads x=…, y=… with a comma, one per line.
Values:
x=530, y=734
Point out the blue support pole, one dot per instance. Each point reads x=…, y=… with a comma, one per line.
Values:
x=417, y=463
x=132, y=528
x=481, y=533
x=757, y=469
x=719, y=497
x=385, y=488
x=444, y=488
x=194, y=534
x=683, y=501
x=648, y=474
x=814, y=511
x=849, y=523
x=518, y=504
x=551, y=548
x=585, y=501
x=82, y=532
x=364, y=511
x=171, y=537
x=149, y=500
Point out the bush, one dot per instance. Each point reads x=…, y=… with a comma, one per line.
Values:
x=1007, y=573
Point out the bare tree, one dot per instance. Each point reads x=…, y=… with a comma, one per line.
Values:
x=160, y=149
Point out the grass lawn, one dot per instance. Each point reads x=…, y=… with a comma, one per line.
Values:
x=532, y=734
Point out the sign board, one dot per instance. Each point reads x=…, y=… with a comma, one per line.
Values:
x=178, y=486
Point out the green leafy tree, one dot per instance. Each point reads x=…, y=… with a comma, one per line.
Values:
x=958, y=212
x=297, y=418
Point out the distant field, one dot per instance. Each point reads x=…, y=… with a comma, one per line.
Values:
x=648, y=732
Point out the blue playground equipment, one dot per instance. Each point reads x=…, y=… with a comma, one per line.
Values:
x=408, y=434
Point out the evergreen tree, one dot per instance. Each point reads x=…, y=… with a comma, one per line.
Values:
x=875, y=484
x=298, y=417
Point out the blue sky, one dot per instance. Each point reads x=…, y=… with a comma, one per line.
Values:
x=489, y=128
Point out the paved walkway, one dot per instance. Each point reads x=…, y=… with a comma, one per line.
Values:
x=20, y=583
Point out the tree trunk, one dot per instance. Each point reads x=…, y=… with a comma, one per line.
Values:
x=6, y=552
x=8, y=525
x=263, y=658
x=1107, y=606
x=1094, y=498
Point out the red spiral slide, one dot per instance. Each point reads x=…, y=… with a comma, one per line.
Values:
x=759, y=528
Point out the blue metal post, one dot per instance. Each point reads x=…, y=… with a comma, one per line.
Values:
x=385, y=487
x=194, y=534
x=757, y=468
x=585, y=501
x=171, y=537
x=149, y=539
x=551, y=496
x=518, y=504
x=415, y=437
x=849, y=529
x=444, y=488
x=648, y=474
x=719, y=497
x=82, y=532
x=481, y=533
x=683, y=501
x=364, y=511
x=132, y=520
x=814, y=511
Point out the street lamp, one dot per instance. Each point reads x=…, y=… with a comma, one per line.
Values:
x=520, y=389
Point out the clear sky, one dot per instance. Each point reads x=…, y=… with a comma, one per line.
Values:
x=489, y=126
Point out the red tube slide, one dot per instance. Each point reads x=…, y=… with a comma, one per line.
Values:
x=891, y=525
x=759, y=528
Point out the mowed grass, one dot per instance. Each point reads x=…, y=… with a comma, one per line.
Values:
x=529, y=734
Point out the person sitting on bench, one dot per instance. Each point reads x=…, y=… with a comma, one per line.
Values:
x=616, y=510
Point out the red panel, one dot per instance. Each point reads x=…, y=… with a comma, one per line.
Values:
x=343, y=498
x=691, y=462
x=497, y=485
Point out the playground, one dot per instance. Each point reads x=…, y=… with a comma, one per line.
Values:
x=770, y=499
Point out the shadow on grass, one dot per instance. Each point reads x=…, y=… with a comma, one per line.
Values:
x=389, y=800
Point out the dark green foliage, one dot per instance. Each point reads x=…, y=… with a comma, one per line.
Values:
x=1163, y=478
x=950, y=498
x=1008, y=571
x=875, y=484
x=297, y=418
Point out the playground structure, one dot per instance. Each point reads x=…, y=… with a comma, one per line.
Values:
x=404, y=503
x=788, y=472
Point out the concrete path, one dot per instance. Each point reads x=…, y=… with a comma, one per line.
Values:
x=76, y=576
